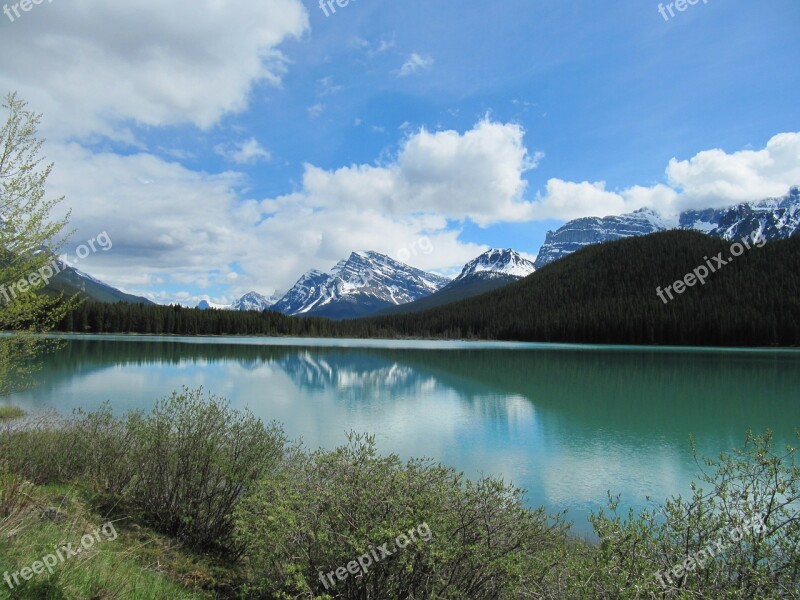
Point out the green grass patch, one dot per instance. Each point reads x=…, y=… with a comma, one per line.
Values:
x=11, y=412
x=122, y=561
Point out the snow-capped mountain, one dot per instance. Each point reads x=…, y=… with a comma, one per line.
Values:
x=775, y=218
x=207, y=305
x=250, y=301
x=255, y=301
x=497, y=264
x=491, y=270
x=364, y=283
x=580, y=233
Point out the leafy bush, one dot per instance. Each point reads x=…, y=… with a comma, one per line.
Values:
x=194, y=460
x=219, y=479
x=321, y=511
x=716, y=536
x=182, y=468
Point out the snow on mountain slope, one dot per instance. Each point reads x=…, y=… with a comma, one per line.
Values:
x=775, y=218
x=580, y=233
x=250, y=301
x=366, y=281
x=497, y=263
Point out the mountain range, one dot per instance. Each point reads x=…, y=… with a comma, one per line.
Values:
x=364, y=283
x=369, y=283
x=250, y=301
x=774, y=218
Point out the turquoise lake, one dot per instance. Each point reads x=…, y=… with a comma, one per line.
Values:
x=568, y=423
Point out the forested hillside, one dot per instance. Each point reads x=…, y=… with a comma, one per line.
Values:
x=605, y=294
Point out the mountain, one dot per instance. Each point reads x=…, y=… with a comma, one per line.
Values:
x=580, y=233
x=255, y=301
x=608, y=294
x=364, y=283
x=495, y=264
x=491, y=270
x=71, y=281
x=250, y=301
x=775, y=218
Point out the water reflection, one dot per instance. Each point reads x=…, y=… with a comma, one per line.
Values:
x=568, y=424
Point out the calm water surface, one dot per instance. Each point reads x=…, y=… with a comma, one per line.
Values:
x=569, y=423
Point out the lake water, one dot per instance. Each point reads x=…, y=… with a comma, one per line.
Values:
x=568, y=423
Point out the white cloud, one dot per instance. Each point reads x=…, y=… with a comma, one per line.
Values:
x=710, y=179
x=715, y=178
x=475, y=175
x=414, y=63
x=167, y=223
x=90, y=66
x=244, y=153
x=175, y=227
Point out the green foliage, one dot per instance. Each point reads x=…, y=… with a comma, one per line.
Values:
x=182, y=469
x=11, y=412
x=323, y=510
x=730, y=554
x=29, y=240
x=217, y=479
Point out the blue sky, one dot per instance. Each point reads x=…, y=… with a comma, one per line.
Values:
x=226, y=146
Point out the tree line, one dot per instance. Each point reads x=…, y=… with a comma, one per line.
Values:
x=604, y=294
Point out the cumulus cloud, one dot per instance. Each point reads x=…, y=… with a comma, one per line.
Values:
x=715, y=178
x=476, y=175
x=414, y=63
x=167, y=223
x=181, y=227
x=94, y=65
x=710, y=179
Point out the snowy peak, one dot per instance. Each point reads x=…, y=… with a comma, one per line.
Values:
x=254, y=301
x=250, y=301
x=497, y=263
x=774, y=218
x=206, y=304
x=365, y=280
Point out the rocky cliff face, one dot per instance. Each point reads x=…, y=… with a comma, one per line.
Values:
x=774, y=218
x=580, y=233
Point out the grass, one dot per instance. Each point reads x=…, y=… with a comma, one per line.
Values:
x=11, y=412
x=134, y=563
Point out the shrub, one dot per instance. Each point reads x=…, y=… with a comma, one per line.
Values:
x=181, y=469
x=193, y=460
x=322, y=511
x=746, y=488
x=11, y=412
